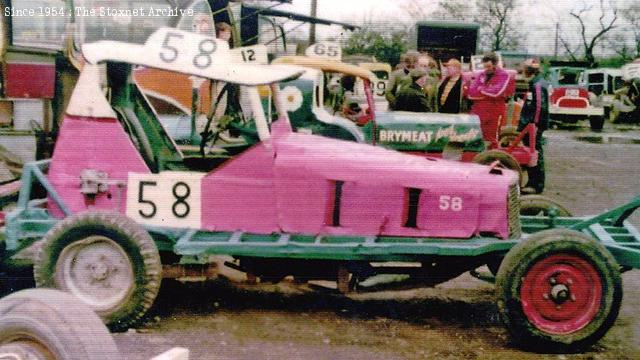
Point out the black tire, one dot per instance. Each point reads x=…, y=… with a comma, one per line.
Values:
x=107, y=261
x=596, y=123
x=583, y=283
x=538, y=205
x=50, y=324
x=506, y=161
x=493, y=264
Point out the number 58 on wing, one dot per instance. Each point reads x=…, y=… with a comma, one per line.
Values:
x=170, y=199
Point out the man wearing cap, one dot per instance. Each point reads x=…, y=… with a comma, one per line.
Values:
x=450, y=89
x=536, y=111
x=399, y=76
x=489, y=93
x=414, y=92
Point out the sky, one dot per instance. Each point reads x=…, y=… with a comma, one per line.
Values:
x=539, y=24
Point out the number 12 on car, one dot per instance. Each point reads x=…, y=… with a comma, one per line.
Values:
x=170, y=199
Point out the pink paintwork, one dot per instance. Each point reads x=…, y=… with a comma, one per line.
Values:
x=287, y=184
x=240, y=194
x=92, y=143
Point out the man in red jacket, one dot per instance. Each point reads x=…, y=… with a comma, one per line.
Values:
x=489, y=93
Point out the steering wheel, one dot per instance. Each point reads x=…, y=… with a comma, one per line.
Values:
x=364, y=118
x=360, y=117
x=211, y=133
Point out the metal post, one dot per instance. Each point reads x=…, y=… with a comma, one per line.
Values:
x=555, y=47
x=196, y=82
x=312, y=26
x=194, y=109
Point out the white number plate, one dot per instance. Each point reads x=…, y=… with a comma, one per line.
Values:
x=327, y=50
x=256, y=54
x=574, y=93
x=186, y=49
x=380, y=88
x=170, y=199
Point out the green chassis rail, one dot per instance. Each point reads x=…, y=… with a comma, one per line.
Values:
x=30, y=221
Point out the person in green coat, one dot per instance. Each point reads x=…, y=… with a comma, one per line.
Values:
x=417, y=92
x=399, y=77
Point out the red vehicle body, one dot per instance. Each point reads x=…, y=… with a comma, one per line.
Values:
x=570, y=102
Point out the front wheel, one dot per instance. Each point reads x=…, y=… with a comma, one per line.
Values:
x=539, y=205
x=596, y=123
x=504, y=160
x=559, y=290
x=104, y=259
x=44, y=324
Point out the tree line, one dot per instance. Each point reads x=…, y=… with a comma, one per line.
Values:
x=504, y=24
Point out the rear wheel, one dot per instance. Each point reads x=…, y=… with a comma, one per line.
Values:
x=559, y=291
x=104, y=259
x=43, y=324
x=504, y=160
x=607, y=112
x=538, y=205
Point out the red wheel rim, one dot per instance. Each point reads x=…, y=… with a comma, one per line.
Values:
x=561, y=294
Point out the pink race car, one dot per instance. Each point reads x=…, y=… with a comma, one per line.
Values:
x=125, y=207
x=121, y=192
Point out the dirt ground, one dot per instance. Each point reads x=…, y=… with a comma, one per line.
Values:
x=454, y=320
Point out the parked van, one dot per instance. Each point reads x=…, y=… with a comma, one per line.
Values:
x=602, y=85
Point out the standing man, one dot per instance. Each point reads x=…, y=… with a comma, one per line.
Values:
x=488, y=92
x=411, y=95
x=429, y=82
x=398, y=77
x=450, y=89
x=417, y=90
x=536, y=111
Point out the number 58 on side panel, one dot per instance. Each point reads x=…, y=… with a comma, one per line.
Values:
x=169, y=199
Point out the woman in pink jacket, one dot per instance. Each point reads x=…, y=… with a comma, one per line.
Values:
x=489, y=92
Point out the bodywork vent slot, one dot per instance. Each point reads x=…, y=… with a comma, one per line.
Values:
x=336, y=203
x=413, y=197
x=333, y=211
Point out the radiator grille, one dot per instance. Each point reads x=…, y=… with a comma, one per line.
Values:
x=515, y=229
